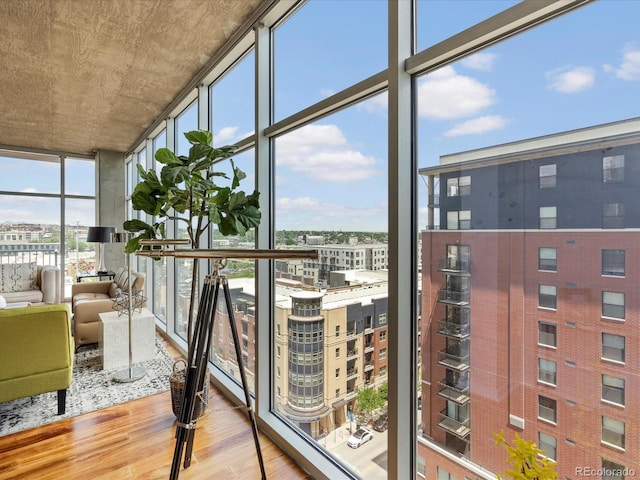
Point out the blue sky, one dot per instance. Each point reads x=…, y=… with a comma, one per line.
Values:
x=579, y=70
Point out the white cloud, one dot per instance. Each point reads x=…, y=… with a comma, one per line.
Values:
x=571, y=81
x=477, y=125
x=329, y=216
x=480, y=61
x=629, y=69
x=323, y=153
x=225, y=136
x=326, y=92
x=445, y=94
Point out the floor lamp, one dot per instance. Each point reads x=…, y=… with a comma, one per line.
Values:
x=130, y=374
x=100, y=235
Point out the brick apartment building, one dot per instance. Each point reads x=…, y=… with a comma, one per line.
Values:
x=531, y=304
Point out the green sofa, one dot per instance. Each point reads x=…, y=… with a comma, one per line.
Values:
x=36, y=352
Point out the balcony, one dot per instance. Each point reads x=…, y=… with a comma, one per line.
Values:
x=368, y=330
x=352, y=373
x=453, y=329
x=352, y=333
x=454, y=266
x=352, y=354
x=368, y=367
x=454, y=297
x=369, y=347
x=457, y=394
x=452, y=361
x=459, y=428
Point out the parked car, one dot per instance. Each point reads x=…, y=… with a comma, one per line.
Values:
x=361, y=436
x=381, y=423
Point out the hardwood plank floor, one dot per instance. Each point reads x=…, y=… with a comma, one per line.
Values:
x=136, y=440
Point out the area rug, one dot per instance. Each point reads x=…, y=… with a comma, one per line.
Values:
x=91, y=389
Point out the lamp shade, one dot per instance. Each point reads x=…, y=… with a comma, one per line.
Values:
x=100, y=234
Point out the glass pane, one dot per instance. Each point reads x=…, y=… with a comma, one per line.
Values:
x=27, y=175
x=159, y=267
x=489, y=123
x=439, y=19
x=80, y=255
x=187, y=121
x=79, y=177
x=331, y=197
x=233, y=103
x=313, y=61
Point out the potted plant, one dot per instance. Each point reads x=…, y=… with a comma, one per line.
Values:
x=186, y=192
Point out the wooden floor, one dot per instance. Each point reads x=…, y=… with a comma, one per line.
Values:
x=136, y=440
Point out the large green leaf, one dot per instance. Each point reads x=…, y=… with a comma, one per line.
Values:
x=198, y=151
x=199, y=136
x=174, y=175
x=166, y=157
x=136, y=225
x=143, y=200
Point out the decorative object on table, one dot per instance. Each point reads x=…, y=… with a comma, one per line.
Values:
x=92, y=388
x=198, y=357
x=186, y=193
x=130, y=374
x=100, y=235
x=121, y=302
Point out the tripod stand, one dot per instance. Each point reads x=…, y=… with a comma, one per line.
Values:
x=197, y=365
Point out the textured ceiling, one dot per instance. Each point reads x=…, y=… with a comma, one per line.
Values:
x=84, y=75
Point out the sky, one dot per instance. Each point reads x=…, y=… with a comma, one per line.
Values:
x=578, y=70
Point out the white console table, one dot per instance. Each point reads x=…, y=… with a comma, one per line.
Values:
x=113, y=338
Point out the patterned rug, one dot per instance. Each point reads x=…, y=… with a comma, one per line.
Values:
x=91, y=389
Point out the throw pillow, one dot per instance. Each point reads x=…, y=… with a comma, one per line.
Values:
x=113, y=290
x=18, y=277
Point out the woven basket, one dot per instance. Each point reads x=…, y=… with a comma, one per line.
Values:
x=177, y=380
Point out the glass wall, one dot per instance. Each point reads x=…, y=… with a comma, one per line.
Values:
x=471, y=177
x=47, y=204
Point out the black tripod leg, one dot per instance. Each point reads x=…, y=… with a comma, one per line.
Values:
x=186, y=424
x=245, y=386
x=203, y=359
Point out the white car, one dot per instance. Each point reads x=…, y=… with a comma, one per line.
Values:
x=361, y=436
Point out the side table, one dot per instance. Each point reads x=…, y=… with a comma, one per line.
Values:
x=113, y=338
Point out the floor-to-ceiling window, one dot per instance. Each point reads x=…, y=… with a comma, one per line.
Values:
x=327, y=130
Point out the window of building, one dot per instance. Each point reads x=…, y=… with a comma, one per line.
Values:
x=382, y=319
x=613, y=262
x=337, y=352
x=444, y=475
x=547, y=259
x=382, y=336
x=547, y=408
x=613, y=389
x=458, y=186
x=613, y=169
x=613, y=347
x=613, y=432
x=547, y=176
x=612, y=470
x=337, y=393
x=337, y=373
x=547, y=444
x=337, y=330
x=383, y=371
x=613, y=305
x=547, y=296
x=383, y=353
x=547, y=371
x=548, y=217
x=459, y=220
x=613, y=215
x=547, y=334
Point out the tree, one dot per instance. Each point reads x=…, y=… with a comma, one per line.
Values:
x=368, y=400
x=529, y=462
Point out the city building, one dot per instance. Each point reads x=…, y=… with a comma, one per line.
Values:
x=531, y=289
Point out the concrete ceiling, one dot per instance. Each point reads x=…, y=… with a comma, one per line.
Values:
x=79, y=76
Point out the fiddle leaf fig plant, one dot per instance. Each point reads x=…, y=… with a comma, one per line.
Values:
x=186, y=192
